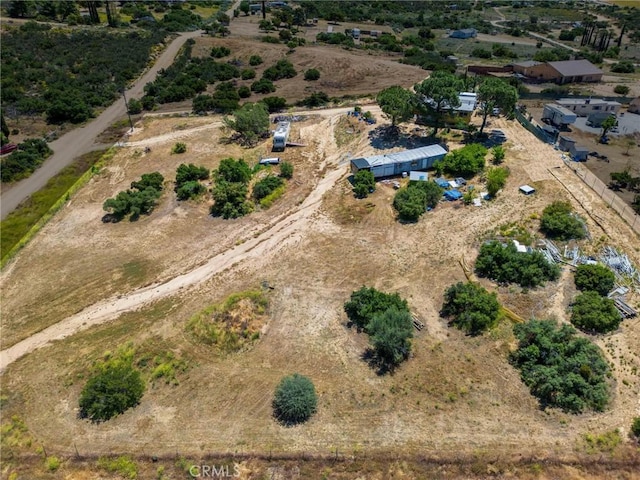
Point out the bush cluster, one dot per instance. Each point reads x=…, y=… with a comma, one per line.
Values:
x=387, y=320
x=559, y=221
x=561, y=369
x=593, y=313
x=504, y=264
x=316, y=99
x=471, y=307
x=141, y=199
x=464, y=162
x=282, y=69
x=363, y=183
x=187, y=181
x=265, y=186
x=597, y=278
x=25, y=160
x=411, y=201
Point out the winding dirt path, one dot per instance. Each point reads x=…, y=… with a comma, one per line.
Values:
x=270, y=240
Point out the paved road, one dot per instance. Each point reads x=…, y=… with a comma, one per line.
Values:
x=82, y=140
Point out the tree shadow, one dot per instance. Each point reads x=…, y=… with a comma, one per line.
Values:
x=385, y=137
x=375, y=362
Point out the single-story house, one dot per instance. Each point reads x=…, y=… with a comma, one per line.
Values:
x=390, y=164
x=583, y=107
x=468, y=102
x=634, y=105
x=464, y=33
x=568, y=71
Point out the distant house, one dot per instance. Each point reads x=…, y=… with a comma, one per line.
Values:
x=634, y=106
x=464, y=33
x=468, y=102
x=389, y=164
x=558, y=115
x=569, y=71
x=583, y=107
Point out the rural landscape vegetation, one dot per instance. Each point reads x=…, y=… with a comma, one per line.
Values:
x=181, y=299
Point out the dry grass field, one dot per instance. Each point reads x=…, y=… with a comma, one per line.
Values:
x=455, y=409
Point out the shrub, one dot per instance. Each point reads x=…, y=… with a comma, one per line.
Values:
x=286, y=170
x=412, y=201
x=282, y=69
x=621, y=89
x=247, y=74
x=597, y=278
x=624, y=66
x=561, y=369
x=264, y=187
x=466, y=161
x=295, y=400
x=255, y=60
x=187, y=173
x=263, y=86
x=496, y=180
x=473, y=309
x=219, y=52
x=135, y=106
x=635, y=427
x=312, y=74
x=140, y=200
x=189, y=190
x=594, y=313
x=559, y=222
x=481, y=53
x=31, y=153
x=504, y=264
x=230, y=200
x=316, y=99
x=153, y=180
x=114, y=389
x=244, y=92
x=123, y=466
x=498, y=154
x=363, y=183
x=179, y=147
x=274, y=104
x=367, y=302
x=231, y=170
x=389, y=334
x=52, y=464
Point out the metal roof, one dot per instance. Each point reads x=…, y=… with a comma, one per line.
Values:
x=468, y=102
x=406, y=155
x=360, y=163
x=527, y=189
x=416, y=176
x=573, y=68
x=559, y=109
x=586, y=101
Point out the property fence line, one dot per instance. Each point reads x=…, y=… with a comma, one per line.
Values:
x=606, y=194
x=535, y=129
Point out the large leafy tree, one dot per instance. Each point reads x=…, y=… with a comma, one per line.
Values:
x=363, y=183
x=559, y=221
x=465, y=162
x=397, y=103
x=365, y=303
x=251, y=122
x=561, y=369
x=471, y=307
x=439, y=93
x=607, y=125
x=390, y=333
x=295, y=400
x=594, y=313
x=114, y=389
x=412, y=201
x=495, y=93
x=596, y=278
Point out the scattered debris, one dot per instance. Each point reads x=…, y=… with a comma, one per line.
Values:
x=416, y=322
x=621, y=265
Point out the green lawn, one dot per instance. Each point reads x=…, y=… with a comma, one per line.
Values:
x=20, y=221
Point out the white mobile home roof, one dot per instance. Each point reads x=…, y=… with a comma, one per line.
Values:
x=418, y=176
x=560, y=109
x=407, y=155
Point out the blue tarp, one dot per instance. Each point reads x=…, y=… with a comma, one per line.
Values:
x=453, y=194
x=442, y=183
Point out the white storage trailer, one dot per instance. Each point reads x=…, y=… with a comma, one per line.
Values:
x=558, y=115
x=281, y=135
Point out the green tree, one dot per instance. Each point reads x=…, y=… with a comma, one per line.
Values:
x=390, y=333
x=286, y=170
x=561, y=369
x=245, y=7
x=396, y=103
x=255, y=60
x=189, y=190
x=263, y=86
x=251, y=122
x=495, y=93
x=410, y=203
x=635, y=428
x=234, y=171
x=230, y=200
x=594, y=313
x=135, y=106
x=295, y=400
x=498, y=154
x=471, y=307
x=439, y=93
x=153, y=180
x=607, y=125
x=179, y=147
x=274, y=104
x=558, y=221
x=624, y=66
x=312, y=74
x=596, y=278
x=265, y=186
x=365, y=303
x=20, y=8
x=621, y=89
x=282, y=69
x=496, y=180
x=466, y=161
x=113, y=390
x=363, y=183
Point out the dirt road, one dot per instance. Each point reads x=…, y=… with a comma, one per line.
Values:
x=81, y=140
x=281, y=229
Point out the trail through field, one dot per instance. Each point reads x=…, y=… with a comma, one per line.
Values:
x=276, y=234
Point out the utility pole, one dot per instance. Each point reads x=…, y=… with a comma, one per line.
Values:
x=126, y=105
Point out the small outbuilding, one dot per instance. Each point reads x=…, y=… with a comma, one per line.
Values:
x=464, y=33
x=527, y=189
x=418, y=176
